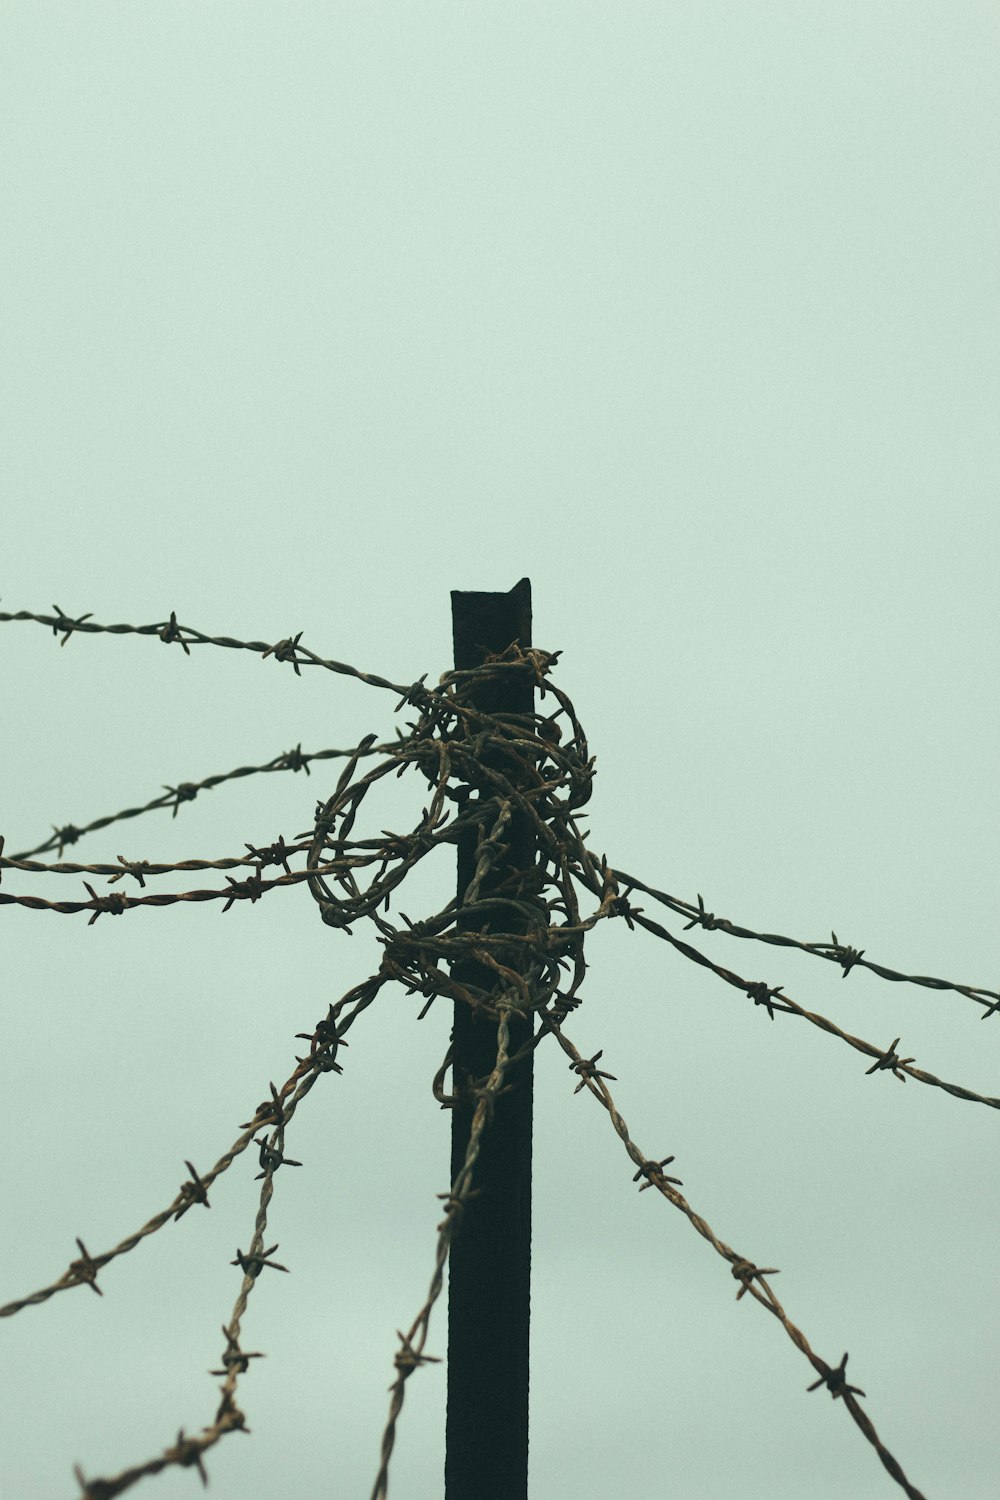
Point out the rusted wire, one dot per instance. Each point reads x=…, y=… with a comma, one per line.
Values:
x=752, y=1279
x=170, y=631
x=411, y=1356
x=185, y=791
x=761, y=995
x=835, y=952
x=479, y=772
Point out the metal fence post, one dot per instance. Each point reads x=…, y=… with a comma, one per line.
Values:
x=490, y=1259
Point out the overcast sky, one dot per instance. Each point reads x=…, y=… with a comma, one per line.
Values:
x=313, y=313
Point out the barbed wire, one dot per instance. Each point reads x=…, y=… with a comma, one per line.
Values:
x=482, y=771
x=174, y=798
x=410, y=1356
x=170, y=632
x=752, y=1278
x=835, y=952
x=774, y=1000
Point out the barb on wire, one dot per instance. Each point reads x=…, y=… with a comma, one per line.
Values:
x=195, y=1191
x=65, y=622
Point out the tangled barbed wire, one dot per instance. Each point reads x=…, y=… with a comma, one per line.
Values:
x=479, y=771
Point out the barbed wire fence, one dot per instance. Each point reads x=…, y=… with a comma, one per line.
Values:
x=539, y=970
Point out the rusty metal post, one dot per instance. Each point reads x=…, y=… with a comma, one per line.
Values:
x=490, y=1260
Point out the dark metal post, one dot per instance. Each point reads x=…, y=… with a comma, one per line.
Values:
x=490, y=1260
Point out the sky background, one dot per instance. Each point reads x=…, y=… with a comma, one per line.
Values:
x=312, y=313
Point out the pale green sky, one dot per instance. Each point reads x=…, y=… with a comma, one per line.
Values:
x=312, y=313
